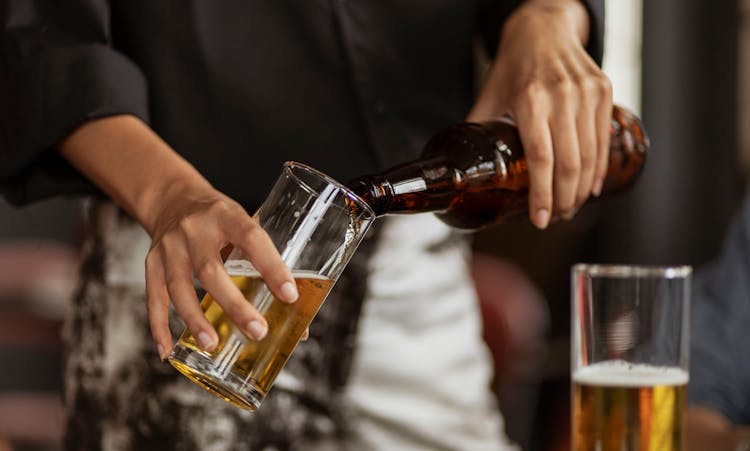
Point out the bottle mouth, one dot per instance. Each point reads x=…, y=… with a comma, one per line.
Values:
x=314, y=181
x=371, y=193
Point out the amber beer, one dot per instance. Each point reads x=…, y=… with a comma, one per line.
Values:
x=259, y=362
x=619, y=406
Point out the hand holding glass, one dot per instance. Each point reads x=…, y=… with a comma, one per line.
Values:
x=316, y=224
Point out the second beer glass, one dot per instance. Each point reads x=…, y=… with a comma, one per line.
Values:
x=629, y=357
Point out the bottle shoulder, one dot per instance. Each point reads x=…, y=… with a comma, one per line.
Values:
x=472, y=142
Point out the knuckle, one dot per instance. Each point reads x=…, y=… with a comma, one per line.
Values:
x=561, y=82
x=537, y=157
x=251, y=230
x=531, y=90
x=528, y=96
x=220, y=208
x=565, y=88
x=166, y=242
x=206, y=269
x=588, y=85
x=186, y=224
x=568, y=167
x=603, y=84
x=587, y=159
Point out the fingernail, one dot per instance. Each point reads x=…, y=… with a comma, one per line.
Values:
x=596, y=190
x=257, y=329
x=541, y=218
x=160, y=350
x=289, y=292
x=205, y=341
x=305, y=335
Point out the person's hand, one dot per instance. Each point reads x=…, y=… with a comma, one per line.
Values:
x=707, y=428
x=187, y=238
x=561, y=101
x=189, y=222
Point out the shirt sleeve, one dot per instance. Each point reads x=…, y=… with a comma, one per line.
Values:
x=57, y=70
x=720, y=342
x=493, y=13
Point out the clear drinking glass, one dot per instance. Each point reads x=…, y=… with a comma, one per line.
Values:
x=316, y=224
x=630, y=349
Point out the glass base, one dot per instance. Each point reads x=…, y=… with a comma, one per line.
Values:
x=200, y=369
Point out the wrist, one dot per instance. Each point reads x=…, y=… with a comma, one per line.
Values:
x=571, y=14
x=162, y=193
x=132, y=165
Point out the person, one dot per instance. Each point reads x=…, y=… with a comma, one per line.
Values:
x=718, y=416
x=178, y=115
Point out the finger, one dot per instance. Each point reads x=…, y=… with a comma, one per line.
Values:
x=157, y=302
x=305, y=334
x=179, y=276
x=587, y=140
x=567, y=162
x=215, y=279
x=260, y=250
x=537, y=143
x=603, y=123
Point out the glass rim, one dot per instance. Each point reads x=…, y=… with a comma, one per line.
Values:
x=290, y=166
x=623, y=270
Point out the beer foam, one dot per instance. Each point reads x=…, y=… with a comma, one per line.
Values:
x=618, y=373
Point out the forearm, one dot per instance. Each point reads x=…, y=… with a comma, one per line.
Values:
x=131, y=164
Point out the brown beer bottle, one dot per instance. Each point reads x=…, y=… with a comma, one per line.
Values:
x=474, y=174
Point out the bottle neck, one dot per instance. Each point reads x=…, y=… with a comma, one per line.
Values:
x=416, y=187
x=374, y=191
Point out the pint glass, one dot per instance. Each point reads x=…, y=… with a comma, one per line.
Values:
x=630, y=348
x=316, y=224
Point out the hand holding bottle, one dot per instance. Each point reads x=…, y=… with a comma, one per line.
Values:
x=560, y=100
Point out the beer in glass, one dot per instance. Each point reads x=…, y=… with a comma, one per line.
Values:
x=630, y=357
x=316, y=224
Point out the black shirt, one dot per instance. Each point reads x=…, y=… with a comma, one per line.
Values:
x=239, y=86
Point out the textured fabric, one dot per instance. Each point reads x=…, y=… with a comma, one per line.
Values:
x=120, y=396
x=719, y=367
x=347, y=86
x=420, y=365
x=422, y=374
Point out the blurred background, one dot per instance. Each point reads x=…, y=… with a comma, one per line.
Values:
x=683, y=65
